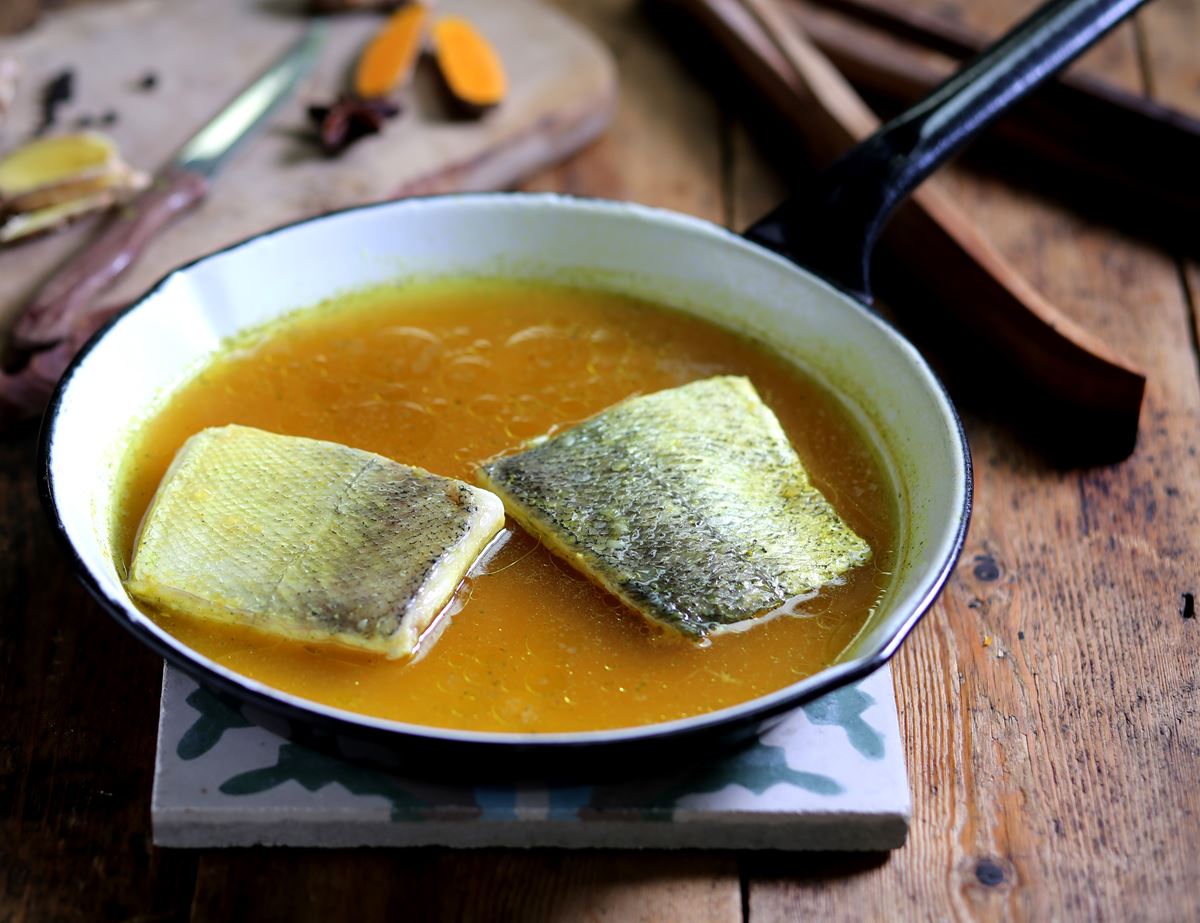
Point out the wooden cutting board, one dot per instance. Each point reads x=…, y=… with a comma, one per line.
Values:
x=563, y=90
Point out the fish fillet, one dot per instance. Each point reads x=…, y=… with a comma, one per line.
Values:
x=308, y=539
x=689, y=504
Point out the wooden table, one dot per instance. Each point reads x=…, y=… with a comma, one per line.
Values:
x=1050, y=702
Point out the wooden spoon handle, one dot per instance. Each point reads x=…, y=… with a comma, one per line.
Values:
x=957, y=263
x=831, y=225
x=1124, y=154
x=68, y=295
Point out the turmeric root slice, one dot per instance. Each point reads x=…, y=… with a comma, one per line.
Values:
x=469, y=65
x=389, y=58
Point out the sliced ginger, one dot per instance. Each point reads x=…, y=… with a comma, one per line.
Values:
x=28, y=225
x=389, y=58
x=49, y=182
x=51, y=170
x=468, y=64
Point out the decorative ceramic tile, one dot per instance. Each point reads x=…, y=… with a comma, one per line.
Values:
x=830, y=776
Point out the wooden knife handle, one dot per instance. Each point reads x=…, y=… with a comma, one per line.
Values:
x=68, y=295
x=24, y=393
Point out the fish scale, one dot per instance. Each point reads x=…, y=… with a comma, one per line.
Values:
x=308, y=539
x=689, y=504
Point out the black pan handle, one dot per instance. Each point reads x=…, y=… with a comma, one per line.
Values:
x=831, y=226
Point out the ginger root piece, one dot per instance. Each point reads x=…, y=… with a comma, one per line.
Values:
x=389, y=58
x=469, y=65
x=51, y=170
x=48, y=183
x=54, y=170
x=30, y=225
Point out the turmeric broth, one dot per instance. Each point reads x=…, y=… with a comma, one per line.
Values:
x=444, y=375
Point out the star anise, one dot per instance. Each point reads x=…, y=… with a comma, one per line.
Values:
x=348, y=119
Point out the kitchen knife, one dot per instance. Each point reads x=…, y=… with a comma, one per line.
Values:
x=182, y=184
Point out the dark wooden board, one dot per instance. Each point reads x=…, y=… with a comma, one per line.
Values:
x=1048, y=701
x=560, y=97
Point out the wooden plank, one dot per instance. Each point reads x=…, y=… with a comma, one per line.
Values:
x=1169, y=35
x=1114, y=59
x=485, y=886
x=75, y=767
x=1048, y=700
x=17, y=15
x=1169, y=31
x=80, y=706
x=664, y=145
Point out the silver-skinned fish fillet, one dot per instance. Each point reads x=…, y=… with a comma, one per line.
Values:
x=307, y=539
x=689, y=504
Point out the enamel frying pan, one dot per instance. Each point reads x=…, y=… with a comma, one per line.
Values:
x=798, y=280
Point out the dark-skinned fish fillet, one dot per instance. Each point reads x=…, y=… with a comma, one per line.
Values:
x=308, y=539
x=689, y=504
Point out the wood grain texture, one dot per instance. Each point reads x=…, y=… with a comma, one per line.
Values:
x=484, y=886
x=77, y=738
x=665, y=145
x=1076, y=377
x=16, y=15
x=1048, y=701
x=560, y=97
x=1057, y=781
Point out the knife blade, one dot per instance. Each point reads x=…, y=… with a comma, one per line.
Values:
x=182, y=184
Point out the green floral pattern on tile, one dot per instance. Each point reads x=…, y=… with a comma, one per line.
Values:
x=844, y=707
x=756, y=769
x=314, y=770
x=214, y=720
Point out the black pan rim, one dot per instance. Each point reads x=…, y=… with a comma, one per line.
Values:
x=819, y=684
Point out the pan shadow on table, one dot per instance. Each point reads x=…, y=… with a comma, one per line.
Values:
x=801, y=870
x=505, y=884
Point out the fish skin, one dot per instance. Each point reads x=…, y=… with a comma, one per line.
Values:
x=308, y=539
x=689, y=504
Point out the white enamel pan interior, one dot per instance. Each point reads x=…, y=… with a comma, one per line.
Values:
x=666, y=257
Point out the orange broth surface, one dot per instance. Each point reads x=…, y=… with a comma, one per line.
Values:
x=443, y=375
